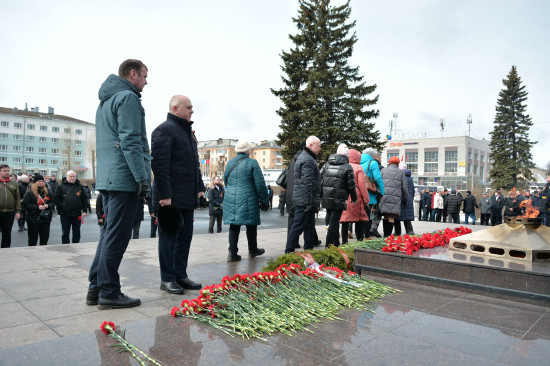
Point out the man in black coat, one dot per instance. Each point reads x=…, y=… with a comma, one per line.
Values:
x=72, y=204
x=426, y=202
x=178, y=182
x=453, y=207
x=497, y=203
x=215, y=204
x=470, y=204
x=306, y=195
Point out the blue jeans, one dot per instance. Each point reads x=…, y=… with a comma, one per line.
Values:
x=120, y=210
x=174, y=249
x=303, y=221
x=470, y=214
x=425, y=214
x=68, y=222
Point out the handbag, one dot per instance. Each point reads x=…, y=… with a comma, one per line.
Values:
x=282, y=180
x=371, y=182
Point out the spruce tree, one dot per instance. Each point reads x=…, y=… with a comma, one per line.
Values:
x=511, y=157
x=322, y=94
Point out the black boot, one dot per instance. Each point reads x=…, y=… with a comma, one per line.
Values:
x=388, y=228
x=233, y=257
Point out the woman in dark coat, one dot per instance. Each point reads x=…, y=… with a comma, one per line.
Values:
x=245, y=191
x=407, y=212
x=215, y=204
x=396, y=194
x=39, y=205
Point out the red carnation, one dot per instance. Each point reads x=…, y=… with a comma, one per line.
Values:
x=105, y=327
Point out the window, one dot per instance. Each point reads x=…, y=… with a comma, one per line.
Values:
x=469, y=168
x=55, y=129
x=55, y=151
x=3, y=147
x=17, y=125
x=411, y=159
x=392, y=154
x=55, y=140
x=5, y=124
x=17, y=148
x=78, y=153
x=42, y=161
x=451, y=161
x=3, y=159
x=4, y=136
x=42, y=150
x=16, y=160
x=29, y=161
x=78, y=142
x=55, y=162
x=30, y=138
x=469, y=154
x=43, y=172
x=43, y=128
x=475, y=169
x=30, y=149
x=264, y=152
x=481, y=171
x=66, y=141
x=17, y=137
x=43, y=139
x=430, y=161
x=65, y=130
x=30, y=127
x=65, y=162
x=476, y=156
x=483, y=158
x=78, y=132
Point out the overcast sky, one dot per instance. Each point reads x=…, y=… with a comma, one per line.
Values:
x=431, y=59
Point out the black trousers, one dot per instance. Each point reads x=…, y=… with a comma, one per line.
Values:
x=304, y=222
x=68, y=223
x=310, y=234
x=6, y=223
x=135, y=230
x=333, y=221
x=251, y=236
x=113, y=242
x=496, y=218
x=218, y=219
x=359, y=230
x=454, y=218
x=41, y=229
x=154, y=227
x=485, y=218
x=174, y=249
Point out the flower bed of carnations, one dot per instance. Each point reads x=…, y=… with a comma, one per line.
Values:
x=284, y=300
x=410, y=244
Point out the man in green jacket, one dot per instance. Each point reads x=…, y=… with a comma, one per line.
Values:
x=123, y=178
x=10, y=204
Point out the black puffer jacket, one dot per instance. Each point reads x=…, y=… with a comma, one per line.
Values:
x=307, y=181
x=338, y=183
x=453, y=203
x=70, y=199
x=470, y=204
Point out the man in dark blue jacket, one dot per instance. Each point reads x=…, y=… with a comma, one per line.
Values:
x=306, y=196
x=123, y=178
x=72, y=205
x=178, y=182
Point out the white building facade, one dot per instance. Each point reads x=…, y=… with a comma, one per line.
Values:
x=46, y=143
x=459, y=162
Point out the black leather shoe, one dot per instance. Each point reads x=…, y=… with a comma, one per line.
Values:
x=257, y=252
x=187, y=284
x=375, y=233
x=119, y=302
x=233, y=257
x=92, y=297
x=171, y=287
x=297, y=246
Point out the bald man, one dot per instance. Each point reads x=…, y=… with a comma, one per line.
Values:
x=72, y=205
x=178, y=182
x=307, y=193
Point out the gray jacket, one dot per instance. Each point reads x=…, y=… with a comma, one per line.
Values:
x=485, y=205
x=396, y=192
x=307, y=181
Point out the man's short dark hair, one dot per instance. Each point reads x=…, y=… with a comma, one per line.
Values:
x=129, y=65
x=2, y=166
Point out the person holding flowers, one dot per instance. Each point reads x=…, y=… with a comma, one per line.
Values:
x=39, y=205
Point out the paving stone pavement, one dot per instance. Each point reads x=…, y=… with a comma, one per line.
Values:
x=44, y=319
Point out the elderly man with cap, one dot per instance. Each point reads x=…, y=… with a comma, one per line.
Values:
x=485, y=208
x=245, y=193
x=178, y=182
x=370, y=164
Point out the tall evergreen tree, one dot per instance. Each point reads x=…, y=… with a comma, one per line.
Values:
x=322, y=94
x=511, y=157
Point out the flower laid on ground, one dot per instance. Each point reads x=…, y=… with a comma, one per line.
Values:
x=124, y=346
x=409, y=244
x=284, y=300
